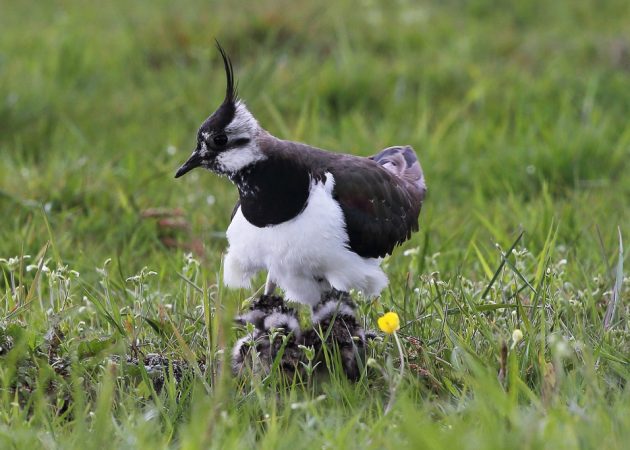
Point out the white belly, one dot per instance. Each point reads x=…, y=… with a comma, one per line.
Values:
x=304, y=256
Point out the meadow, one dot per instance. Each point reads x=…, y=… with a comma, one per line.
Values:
x=513, y=296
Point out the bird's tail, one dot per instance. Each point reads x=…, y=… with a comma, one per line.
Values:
x=403, y=162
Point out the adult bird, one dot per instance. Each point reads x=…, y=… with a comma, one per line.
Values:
x=314, y=220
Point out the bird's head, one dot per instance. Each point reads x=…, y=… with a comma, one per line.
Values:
x=226, y=141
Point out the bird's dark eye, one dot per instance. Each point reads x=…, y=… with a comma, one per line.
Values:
x=220, y=140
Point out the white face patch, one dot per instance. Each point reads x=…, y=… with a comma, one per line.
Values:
x=231, y=161
x=243, y=126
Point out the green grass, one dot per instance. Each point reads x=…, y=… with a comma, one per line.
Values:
x=519, y=113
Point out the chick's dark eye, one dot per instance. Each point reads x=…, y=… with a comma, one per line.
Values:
x=220, y=140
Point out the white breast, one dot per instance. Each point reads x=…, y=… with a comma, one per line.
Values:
x=304, y=256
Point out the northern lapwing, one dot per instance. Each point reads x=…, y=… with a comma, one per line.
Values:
x=313, y=219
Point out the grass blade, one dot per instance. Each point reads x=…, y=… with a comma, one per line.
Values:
x=616, y=294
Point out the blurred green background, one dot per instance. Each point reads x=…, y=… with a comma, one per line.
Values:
x=518, y=110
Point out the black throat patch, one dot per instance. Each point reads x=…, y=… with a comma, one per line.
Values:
x=272, y=191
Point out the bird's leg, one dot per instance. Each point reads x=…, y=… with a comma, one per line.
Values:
x=270, y=286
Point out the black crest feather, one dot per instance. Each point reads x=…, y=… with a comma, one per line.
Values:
x=230, y=90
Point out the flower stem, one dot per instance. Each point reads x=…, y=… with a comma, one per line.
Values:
x=394, y=387
x=402, y=355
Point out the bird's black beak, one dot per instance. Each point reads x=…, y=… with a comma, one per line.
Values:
x=193, y=161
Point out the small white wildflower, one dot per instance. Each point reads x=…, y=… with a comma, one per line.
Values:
x=102, y=271
x=371, y=362
x=14, y=263
x=143, y=275
x=303, y=405
x=560, y=346
x=171, y=150
x=45, y=269
x=517, y=336
x=411, y=251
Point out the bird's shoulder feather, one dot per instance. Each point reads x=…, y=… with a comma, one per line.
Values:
x=380, y=209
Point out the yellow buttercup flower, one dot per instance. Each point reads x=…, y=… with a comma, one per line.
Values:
x=389, y=322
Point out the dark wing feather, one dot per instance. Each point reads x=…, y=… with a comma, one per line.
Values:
x=380, y=209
